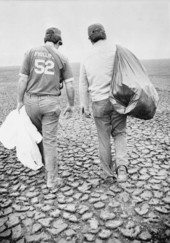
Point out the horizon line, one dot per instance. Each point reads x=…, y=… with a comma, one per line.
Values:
x=78, y=62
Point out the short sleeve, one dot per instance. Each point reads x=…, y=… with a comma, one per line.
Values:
x=25, y=67
x=67, y=72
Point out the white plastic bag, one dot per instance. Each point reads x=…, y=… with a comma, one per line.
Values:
x=8, y=130
x=18, y=131
x=26, y=143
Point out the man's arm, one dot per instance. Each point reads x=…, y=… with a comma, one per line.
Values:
x=68, y=80
x=23, y=80
x=70, y=93
x=70, y=96
x=83, y=90
x=22, y=85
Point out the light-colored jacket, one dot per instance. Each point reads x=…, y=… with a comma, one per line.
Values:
x=18, y=131
x=96, y=72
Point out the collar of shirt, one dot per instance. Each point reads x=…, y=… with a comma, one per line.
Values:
x=48, y=43
x=99, y=43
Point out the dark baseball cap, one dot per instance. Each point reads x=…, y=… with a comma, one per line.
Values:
x=95, y=28
x=53, y=34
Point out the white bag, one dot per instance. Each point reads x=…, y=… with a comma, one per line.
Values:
x=18, y=131
x=8, y=130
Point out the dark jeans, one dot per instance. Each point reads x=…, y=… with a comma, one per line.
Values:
x=110, y=123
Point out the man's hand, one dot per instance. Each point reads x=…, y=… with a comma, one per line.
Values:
x=19, y=106
x=85, y=113
x=69, y=111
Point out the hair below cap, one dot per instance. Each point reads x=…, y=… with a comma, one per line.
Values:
x=95, y=28
x=53, y=35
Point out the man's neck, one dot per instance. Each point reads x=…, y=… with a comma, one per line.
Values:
x=99, y=42
x=49, y=43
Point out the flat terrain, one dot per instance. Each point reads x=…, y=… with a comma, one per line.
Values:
x=87, y=208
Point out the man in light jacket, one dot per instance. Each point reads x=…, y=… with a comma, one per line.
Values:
x=95, y=78
x=39, y=90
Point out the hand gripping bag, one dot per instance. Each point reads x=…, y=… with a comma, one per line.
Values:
x=131, y=92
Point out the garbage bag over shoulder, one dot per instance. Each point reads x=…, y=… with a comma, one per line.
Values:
x=132, y=93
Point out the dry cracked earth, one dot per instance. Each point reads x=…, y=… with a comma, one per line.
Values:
x=87, y=208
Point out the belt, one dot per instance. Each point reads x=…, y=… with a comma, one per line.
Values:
x=41, y=95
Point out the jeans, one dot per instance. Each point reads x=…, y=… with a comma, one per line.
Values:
x=110, y=123
x=44, y=112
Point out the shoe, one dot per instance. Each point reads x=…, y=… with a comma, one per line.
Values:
x=122, y=173
x=50, y=184
x=107, y=178
x=110, y=180
x=50, y=181
x=57, y=182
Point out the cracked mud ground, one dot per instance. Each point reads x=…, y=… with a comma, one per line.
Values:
x=87, y=208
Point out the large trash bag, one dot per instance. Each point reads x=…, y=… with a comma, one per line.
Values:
x=132, y=93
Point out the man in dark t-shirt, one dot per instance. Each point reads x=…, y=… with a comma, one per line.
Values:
x=41, y=73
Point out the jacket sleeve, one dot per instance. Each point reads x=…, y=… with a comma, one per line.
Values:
x=83, y=88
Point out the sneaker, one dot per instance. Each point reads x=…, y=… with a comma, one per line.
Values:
x=122, y=174
x=57, y=182
x=49, y=177
x=50, y=183
x=107, y=178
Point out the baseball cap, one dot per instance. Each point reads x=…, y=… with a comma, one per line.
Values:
x=95, y=28
x=53, y=34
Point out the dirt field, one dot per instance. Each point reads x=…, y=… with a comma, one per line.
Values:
x=86, y=208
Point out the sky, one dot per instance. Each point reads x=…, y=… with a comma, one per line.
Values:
x=139, y=25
